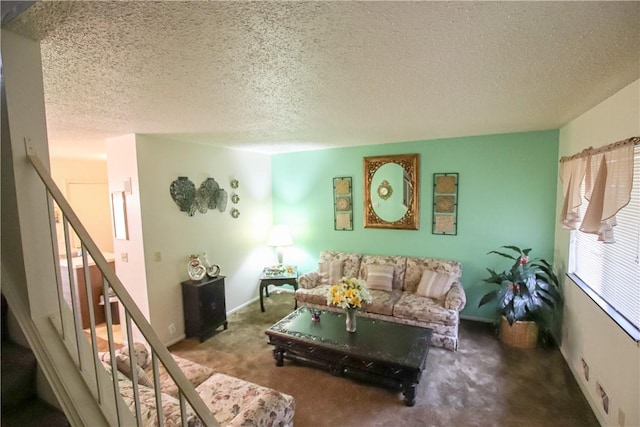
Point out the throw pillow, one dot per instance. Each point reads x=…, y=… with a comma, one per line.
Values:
x=380, y=277
x=141, y=353
x=330, y=272
x=434, y=285
x=123, y=364
x=143, y=379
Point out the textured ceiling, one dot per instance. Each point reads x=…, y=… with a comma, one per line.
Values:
x=275, y=77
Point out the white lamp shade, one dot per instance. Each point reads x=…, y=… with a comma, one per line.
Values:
x=280, y=236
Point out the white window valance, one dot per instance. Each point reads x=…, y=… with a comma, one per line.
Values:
x=571, y=175
x=608, y=178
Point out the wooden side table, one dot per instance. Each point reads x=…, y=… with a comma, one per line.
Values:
x=286, y=278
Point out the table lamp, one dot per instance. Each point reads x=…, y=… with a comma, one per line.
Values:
x=278, y=237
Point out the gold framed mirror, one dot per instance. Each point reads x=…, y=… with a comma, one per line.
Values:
x=391, y=191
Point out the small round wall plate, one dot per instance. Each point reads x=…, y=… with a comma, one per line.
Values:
x=234, y=183
x=235, y=213
x=235, y=198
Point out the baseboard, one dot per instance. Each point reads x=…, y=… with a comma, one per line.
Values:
x=175, y=341
x=242, y=305
x=476, y=318
x=584, y=389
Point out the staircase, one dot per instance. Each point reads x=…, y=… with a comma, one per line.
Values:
x=20, y=403
x=46, y=309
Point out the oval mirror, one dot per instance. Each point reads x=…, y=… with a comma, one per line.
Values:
x=391, y=192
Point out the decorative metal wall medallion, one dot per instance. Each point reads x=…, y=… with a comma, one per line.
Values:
x=235, y=213
x=202, y=200
x=235, y=183
x=211, y=187
x=235, y=198
x=221, y=200
x=208, y=196
x=183, y=192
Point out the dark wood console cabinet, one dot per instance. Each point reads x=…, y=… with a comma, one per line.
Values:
x=204, y=307
x=77, y=273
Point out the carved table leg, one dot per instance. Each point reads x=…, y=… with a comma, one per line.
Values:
x=337, y=370
x=262, y=289
x=409, y=391
x=278, y=354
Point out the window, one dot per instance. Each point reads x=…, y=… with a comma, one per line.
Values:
x=611, y=271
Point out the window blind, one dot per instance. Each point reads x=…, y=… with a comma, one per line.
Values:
x=612, y=270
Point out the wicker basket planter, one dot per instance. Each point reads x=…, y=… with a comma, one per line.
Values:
x=521, y=334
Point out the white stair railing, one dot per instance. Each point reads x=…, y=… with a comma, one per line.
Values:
x=69, y=323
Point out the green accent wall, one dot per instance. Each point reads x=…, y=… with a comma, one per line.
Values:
x=506, y=196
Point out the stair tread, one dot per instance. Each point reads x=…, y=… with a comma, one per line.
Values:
x=18, y=374
x=34, y=413
x=16, y=355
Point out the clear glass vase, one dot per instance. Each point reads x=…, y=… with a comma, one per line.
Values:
x=350, y=315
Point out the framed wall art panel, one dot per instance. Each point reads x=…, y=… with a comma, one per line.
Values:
x=342, y=203
x=445, y=203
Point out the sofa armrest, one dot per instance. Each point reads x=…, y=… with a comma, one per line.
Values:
x=269, y=408
x=236, y=402
x=456, y=298
x=309, y=280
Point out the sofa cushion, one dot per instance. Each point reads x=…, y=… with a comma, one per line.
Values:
x=434, y=285
x=195, y=373
x=399, y=264
x=416, y=265
x=170, y=406
x=382, y=302
x=351, y=261
x=227, y=397
x=317, y=295
x=412, y=306
x=380, y=277
x=330, y=271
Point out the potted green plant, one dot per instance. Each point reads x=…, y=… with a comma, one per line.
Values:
x=527, y=295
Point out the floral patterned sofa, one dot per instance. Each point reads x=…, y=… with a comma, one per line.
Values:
x=424, y=292
x=232, y=401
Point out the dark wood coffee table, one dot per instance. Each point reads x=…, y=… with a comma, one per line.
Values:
x=391, y=354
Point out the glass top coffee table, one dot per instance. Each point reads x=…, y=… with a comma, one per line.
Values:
x=391, y=354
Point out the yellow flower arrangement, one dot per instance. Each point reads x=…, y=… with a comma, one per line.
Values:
x=349, y=293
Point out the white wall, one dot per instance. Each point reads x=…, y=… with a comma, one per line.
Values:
x=129, y=254
x=25, y=216
x=587, y=332
x=170, y=236
x=22, y=70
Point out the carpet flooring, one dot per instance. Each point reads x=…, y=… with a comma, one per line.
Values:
x=484, y=383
